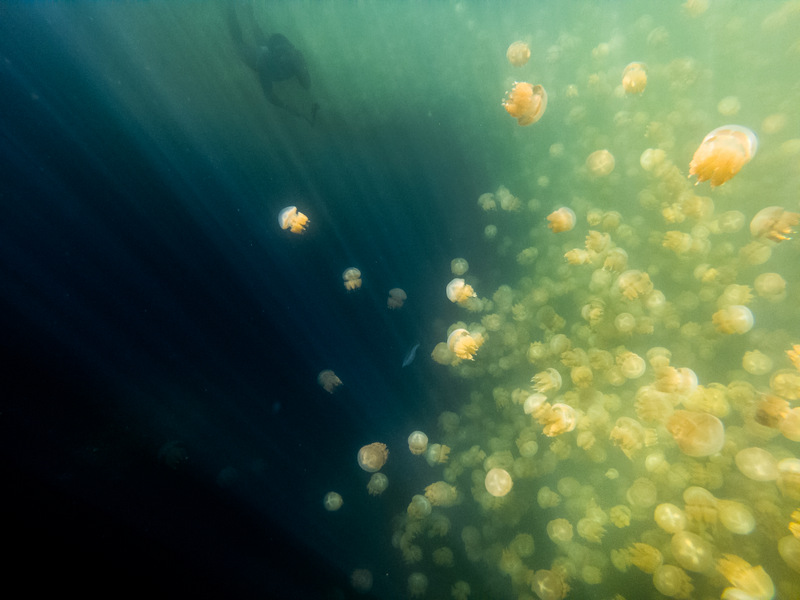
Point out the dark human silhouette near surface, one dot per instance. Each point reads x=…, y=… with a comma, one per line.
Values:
x=273, y=59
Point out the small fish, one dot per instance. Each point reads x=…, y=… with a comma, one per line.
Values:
x=412, y=354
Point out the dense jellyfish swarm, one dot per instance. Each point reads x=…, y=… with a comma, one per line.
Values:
x=633, y=401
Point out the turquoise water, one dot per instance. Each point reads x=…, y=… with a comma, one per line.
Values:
x=166, y=334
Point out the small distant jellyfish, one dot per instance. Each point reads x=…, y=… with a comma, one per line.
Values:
x=723, y=153
x=487, y=202
x=498, y=482
x=518, y=53
x=561, y=220
x=600, y=163
x=459, y=266
x=352, y=279
x=634, y=78
x=459, y=291
x=328, y=380
x=397, y=298
x=377, y=484
x=417, y=585
x=729, y=106
x=332, y=501
x=293, y=220
x=361, y=580
x=372, y=457
x=774, y=223
x=526, y=103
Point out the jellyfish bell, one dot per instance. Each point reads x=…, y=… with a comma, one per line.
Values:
x=464, y=344
x=692, y=552
x=562, y=219
x=292, y=219
x=328, y=380
x=634, y=78
x=697, y=433
x=377, y=484
x=723, y=153
x=600, y=163
x=352, y=279
x=518, y=53
x=774, y=223
x=498, y=482
x=459, y=291
x=757, y=464
x=526, y=102
x=397, y=298
x=372, y=457
x=332, y=501
x=417, y=442
x=459, y=266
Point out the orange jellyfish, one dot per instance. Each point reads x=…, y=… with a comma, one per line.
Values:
x=459, y=291
x=464, y=344
x=697, y=433
x=372, y=457
x=293, y=220
x=396, y=298
x=600, y=163
x=634, y=78
x=526, y=102
x=774, y=223
x=560, y=220
x=352, y=279
x=723, y=153
x=518, y=53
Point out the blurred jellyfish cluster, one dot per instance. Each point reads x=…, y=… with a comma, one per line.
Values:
x=626, y=424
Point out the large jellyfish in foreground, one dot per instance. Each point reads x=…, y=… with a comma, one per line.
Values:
x=723, y=153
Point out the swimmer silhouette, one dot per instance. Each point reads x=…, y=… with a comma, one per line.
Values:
x=274, y=59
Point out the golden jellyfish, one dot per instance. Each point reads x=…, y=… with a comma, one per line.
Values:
x=774, y=223
x=634, y=78
x=328, y=380
x=670, y=518
x=736, y=318
x=372, y=457
x=518, y=53
x=332, y=501
x=749, y=582
x=459, y=291
x=562, y=219
x=756, y=362
x=673, y=582
x=789, y=549
x=437, y=454
x=441, y=493
x=548, y=585
x=600, y=163
x=419, y=508
x=352, y=279
x=396, y=298
x=723, y=153
x=561, y=418
x=526, y=102
x=559, y=531
x=757, y=464
x=459, y=266
x=293, y=220
x=417, y=442
x=770, y=286
x=498, y=482
x=692, y=552
x=736, y=517
x=463, y=344
x=697, y=433
x=377, y=484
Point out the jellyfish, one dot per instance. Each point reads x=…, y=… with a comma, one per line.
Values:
x=498, y=482
x=419, y=508
x=417, y=585
x=459, y=291
x=396, y=298
x=332, y=501
x=518, y=53
x=293, y=220
x=417, y=442
x=774, y=223
x=526, y=102
x=634, y=78
x=733, y=319
x=464, y=344
x=459, y=266
x=361, y=580
x=328, y=380
x=352, y=279
x=673, y=582
x=670, y=518
x=377, y=484
x=372, y=457
x=697, y=433
x=441, y=493
x=437, y=454
x=692, y=552
x=548, y=585
x=600, y=163
x=749, y=582
x=562, y=219
x=757, y=464
x=723, y=153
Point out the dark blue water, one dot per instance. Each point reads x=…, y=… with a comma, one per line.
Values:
x=149, y=297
